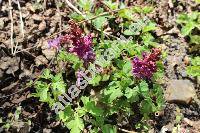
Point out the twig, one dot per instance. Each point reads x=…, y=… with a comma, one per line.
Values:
x=126, y=131
x=15, y=48
x=60, y=22
x=105, y=13
x=102, y=14
x=74, y=8
x=26, y=49
x=57, y=33
x=21, y=20
x=11, y=34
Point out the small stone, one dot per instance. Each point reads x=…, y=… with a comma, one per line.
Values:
x=186, y=60
x=1, y=23
x=45, y=130
x=42, y=26
x=40, y=60
x=49, y=53
x=48, y=12
x=30, y=7
x=180, y=91
x=37, y=17
x=1, y=73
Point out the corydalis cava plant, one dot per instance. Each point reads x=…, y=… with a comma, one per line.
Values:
x=82, y=45
x=145, y=68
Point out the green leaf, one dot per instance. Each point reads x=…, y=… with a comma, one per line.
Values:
x=126, y=13
x=76, y=16
x=58, y=85
x=132, y=94
x=67, y=114
x=86, y=4
x=193, y=70
x=95, y=80
x=81, y=111
x=195, y=39
x=91, y=107
x=41, y=89
x=69, y=57
x=113, y=91
x=119, y=63
x=197, y=1
x=148, y=39
x=46, y=74
x=7, y=125
x=187, y=28
x=196, y=61
x=99, y=22
x=143, y=86
x=85, y=100
x=147, y=9
x=76, y=125
x=158, y=93
x=150, y=27
x=147, y=106
x=128, y=32
x=134, y=28
x=109, y=129
x=105, y=77
x=17, y=113
x=182, y=18
x=111, y=5
x=137, y=9
x=127, y=67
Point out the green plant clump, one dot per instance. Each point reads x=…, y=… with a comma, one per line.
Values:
x=113, y=94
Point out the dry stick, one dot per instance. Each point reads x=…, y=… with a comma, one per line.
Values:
x=126, y=131
x=60, y=23
x=21, y=20
x=105, y=13
x=102, y=14
x=74, y=8
x=15, y=48
x=25, y=49
x=11, y=27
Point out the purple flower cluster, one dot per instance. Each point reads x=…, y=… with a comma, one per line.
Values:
x=144, y=68
x=83, y=49
x=82, y=45
x=54, y=43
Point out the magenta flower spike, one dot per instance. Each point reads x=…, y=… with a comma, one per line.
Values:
x=146, y=67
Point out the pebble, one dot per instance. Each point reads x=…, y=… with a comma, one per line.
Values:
x=42, y=26
x=37, y=17
x=180, y=91
x=49, y=53
x=40, y=60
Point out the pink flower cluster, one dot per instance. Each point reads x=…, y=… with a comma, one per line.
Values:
x=54, y=43
x=82, y=45
x=144, y=68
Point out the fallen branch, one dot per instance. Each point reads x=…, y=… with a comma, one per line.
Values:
x=11, y=27
x=74, y=8
x=86, y=20
x=21, y=20
x=126, y=131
